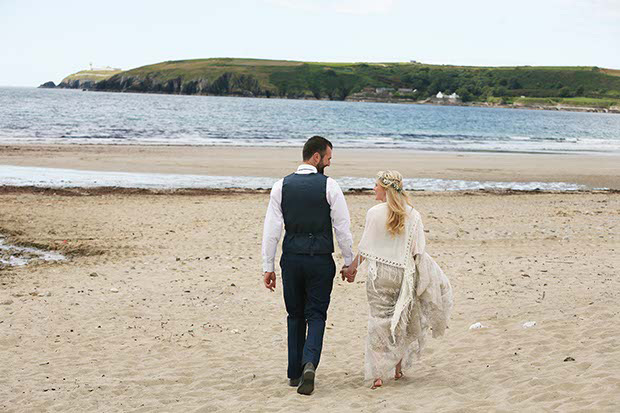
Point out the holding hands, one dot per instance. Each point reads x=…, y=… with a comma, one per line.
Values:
x=348, y=273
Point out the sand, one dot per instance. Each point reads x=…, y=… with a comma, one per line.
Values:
x=161, y=306
x=594, y=171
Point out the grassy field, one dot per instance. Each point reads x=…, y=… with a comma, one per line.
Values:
x=576, y=101
x=213, y=68
x=590, y=102
x=94, y=75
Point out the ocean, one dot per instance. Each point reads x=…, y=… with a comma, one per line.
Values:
x=66, y=116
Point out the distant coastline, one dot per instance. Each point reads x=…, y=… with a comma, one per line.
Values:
x=582, y=89
x=561, y=108
x=566, y=108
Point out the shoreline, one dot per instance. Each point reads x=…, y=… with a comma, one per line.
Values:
x=20, y=176
x=11, y=145
x=77, y=191
x=559, y=108
x=593, y=171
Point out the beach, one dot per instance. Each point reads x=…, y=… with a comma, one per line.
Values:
x=160, y=305
x=591, y=170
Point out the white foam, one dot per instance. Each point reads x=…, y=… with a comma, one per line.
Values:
x=73, y=178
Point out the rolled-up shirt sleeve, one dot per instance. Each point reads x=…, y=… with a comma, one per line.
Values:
x=341, y=220
x=272, y=229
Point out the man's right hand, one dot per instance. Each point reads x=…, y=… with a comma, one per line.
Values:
x=270, y=280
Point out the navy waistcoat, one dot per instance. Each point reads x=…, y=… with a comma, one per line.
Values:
x=306, y=213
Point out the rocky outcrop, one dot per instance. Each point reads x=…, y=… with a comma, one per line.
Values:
x=228, y=84
x=124, y=83
x=77, y=84
x=48, y=85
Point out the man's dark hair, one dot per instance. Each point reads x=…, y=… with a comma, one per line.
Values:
x=315, y=144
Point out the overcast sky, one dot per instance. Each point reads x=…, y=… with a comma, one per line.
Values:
x=47, y=40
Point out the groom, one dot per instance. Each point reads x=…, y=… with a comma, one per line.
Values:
x=307, y=204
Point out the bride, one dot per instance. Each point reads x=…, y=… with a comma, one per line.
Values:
x=408, y=294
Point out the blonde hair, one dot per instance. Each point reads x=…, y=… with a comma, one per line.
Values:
x=397, y=200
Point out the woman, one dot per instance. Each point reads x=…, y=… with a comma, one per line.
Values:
x=408, y=294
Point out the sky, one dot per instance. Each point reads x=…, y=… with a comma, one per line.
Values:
x=48, y=40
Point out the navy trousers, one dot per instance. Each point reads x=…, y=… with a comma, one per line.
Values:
x=307, y=281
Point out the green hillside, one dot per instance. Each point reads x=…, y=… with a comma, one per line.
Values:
x=337, y=81
x=95, y=75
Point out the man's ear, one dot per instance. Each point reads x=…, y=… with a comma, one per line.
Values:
x=316, y=158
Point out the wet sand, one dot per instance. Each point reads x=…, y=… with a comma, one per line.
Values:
x=594, y=171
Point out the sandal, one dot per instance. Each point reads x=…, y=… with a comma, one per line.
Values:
x=376, y=384
x=399, y=375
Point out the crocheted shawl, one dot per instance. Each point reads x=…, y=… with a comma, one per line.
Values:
x=423, y=278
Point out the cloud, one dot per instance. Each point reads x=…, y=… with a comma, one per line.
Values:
x=354, y=7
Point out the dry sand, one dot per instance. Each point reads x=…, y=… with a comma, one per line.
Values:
x=595, y=171
x=191, y=328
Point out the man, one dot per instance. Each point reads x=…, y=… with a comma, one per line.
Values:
x=307, y=204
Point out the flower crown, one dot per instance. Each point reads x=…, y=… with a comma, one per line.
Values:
x=394, y=184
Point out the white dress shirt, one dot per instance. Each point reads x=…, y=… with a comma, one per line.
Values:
x=274, y=221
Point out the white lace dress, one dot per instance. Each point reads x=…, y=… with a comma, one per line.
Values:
x=408, y=294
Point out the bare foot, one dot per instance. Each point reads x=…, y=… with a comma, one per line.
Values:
x=398, y=371
x=377, y=383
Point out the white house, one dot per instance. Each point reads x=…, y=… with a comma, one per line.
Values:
x=453, y=96
x=440, y=97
